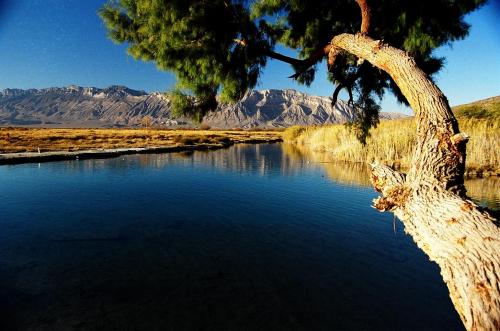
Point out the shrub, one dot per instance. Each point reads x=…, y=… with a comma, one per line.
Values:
x=204, y=126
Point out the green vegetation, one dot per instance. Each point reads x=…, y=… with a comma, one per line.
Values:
x=484, y=109
x=222, y=46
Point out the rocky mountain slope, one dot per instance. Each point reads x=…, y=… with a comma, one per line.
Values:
x=279, y=108
x=116, y=106
x=75, y=106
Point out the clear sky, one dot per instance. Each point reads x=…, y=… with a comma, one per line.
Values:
x=46, y=43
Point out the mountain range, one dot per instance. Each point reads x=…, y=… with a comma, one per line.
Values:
x=119, y=106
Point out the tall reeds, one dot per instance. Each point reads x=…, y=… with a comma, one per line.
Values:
x=393, y=142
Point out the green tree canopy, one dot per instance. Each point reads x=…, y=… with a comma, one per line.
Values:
x=221, y=46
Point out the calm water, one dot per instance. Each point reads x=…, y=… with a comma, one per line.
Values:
x=253, y=237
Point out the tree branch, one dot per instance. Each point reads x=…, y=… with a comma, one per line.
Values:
x=303, y=64
x=311, y=60
x=272, y=54
x=453, y=232
x=366, y=15
x=329, y=50
x=284, y=58
x=336, y=94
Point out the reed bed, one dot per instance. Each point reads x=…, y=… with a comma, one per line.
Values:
x=393, y=143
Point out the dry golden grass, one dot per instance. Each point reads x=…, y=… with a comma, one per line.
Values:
x=30, y=140
x=393, y=142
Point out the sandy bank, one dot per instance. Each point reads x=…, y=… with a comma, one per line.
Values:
x=34, y=157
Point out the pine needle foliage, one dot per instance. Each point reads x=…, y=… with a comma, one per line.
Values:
x=220, y=47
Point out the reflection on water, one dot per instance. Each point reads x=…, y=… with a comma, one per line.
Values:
x=240, y=158
x=484, y=191
x=253, y=237
x=349, y=173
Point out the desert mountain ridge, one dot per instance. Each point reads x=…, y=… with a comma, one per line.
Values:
x=120, y=106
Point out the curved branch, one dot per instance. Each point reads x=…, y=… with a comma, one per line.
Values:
x=451, y=230
x=303, y=64
x=336, y=94
x=429, y=103
x=351, y=100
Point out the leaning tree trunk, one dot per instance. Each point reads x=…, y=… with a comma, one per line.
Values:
x=430, y=200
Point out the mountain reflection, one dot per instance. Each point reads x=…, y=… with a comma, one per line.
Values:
x=257, y=158
x=267, y=160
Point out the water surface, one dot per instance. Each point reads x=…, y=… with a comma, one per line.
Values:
x=254, y=237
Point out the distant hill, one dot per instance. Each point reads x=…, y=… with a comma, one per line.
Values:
x=392, y=116
x=486, y=108
x=117, y=106
x=76, y=106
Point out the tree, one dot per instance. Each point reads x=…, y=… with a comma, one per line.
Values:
x=221, y=46
x=147, y=121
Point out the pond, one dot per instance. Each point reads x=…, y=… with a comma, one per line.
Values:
x=253, y=237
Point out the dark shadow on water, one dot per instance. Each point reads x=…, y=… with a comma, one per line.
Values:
x=253, y=237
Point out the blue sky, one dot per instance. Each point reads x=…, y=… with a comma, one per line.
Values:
x=47, y=43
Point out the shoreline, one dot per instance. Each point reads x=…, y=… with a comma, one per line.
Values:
x=27, y=145
x=326, y=157
x=52, y=156
x=105, y=153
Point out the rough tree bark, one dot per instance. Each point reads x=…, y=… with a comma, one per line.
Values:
x=463, y=240
x=365, y=16
x=431, y=200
